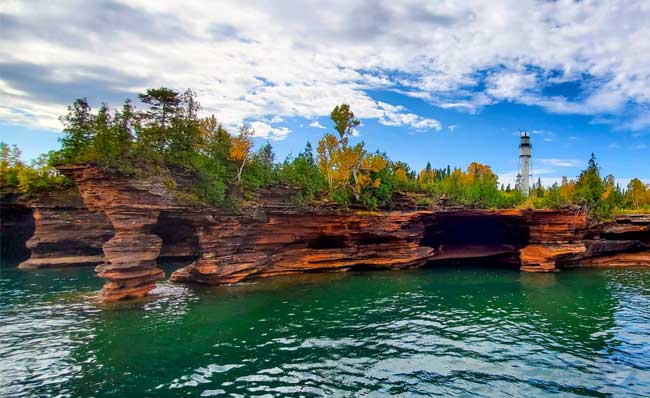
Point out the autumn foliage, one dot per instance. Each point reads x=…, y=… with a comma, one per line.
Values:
x=165, y=135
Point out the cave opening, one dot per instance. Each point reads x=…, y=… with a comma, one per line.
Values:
x=327, y=242
x=475, y=239
x=180, y=245
x=16, y=227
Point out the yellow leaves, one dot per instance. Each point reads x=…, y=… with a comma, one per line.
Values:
x=377, y=163
x=241, y=145
x=606, y=194
x=425, y=176
x=568, y=188
x=327, y=150
x=401, y=175
x=348, y=166
x=477, y=170
x=363, y=180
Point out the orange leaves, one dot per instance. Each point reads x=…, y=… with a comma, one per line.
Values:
x=401, y=175
x=241, y=145
x=606, y=194
x=477, y=170
x=240, y=148
x=375, y=163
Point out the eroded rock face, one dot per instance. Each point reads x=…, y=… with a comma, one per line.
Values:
x=553, y=235
x=66, y=233
x=276, y=238
x=132, y=207
x=624, y=242
x=236, y=248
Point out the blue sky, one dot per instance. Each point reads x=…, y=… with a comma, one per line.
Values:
x=446, y=82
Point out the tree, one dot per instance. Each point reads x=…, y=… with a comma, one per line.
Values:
x=215, y=142
x=304, y=174
x=328, y=153
x=589, y=186
x=78, y=129
x=401, y=171
x=636, y=193
x=427, y=175
x=344, y=122
x=126, y=125
x=4, y=158
x=240, y=149
x=164, y=105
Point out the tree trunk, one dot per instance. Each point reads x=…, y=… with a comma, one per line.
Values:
x=241, y=169
x=355, y=189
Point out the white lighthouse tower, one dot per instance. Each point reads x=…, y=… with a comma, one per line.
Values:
x=525, y=155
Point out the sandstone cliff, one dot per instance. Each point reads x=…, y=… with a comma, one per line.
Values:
x=143, y=222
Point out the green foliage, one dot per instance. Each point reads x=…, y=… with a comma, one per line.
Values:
x=260, y=171
x=31, y=180
x=303, y=173
x=344, y=121
x=167, y=136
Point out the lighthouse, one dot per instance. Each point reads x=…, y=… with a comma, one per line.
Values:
x=525, y=155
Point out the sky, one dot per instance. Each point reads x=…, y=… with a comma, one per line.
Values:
x=448, y=82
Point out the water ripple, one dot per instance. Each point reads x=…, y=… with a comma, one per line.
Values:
x=482, y=333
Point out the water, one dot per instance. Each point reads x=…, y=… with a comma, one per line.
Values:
x=460, y=332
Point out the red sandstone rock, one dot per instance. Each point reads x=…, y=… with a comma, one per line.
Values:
x=132, y=206
x=543, y=257
x=66, y=233
x=275, y=238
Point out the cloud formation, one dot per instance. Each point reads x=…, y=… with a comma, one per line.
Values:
x=316, y=124
x=252, y=60
x=555, y=162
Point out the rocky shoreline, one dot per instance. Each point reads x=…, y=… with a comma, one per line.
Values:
x=126, y=226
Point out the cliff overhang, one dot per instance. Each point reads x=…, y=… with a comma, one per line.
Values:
x=273, y=237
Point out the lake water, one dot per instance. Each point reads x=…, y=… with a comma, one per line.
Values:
x=458, y=332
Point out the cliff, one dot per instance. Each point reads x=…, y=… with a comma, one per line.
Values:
x=65, y=232
x=624, y=242
x=138, y=222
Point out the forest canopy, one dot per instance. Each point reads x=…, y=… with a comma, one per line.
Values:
x=165, y=134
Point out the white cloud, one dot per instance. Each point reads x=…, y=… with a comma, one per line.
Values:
x=252, y=60
x=510, y=85
x=264, y=130
x=316, y=124
x=452, y=127
x=555, y=162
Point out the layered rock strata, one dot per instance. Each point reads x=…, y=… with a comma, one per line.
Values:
x=237, y=248
x=624, y=242
x=274, y=237
x=132, y=206
x=66, y=233
x=554, y=235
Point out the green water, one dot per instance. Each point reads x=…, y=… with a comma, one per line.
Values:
x=456, y=332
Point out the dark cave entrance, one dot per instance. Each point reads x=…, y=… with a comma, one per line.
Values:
x=180, y=245
x=16, y=227
x=475, y=239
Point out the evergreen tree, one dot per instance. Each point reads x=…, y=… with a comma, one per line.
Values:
x=78, y=129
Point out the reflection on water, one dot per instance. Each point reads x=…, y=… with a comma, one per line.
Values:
x=475, y=332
